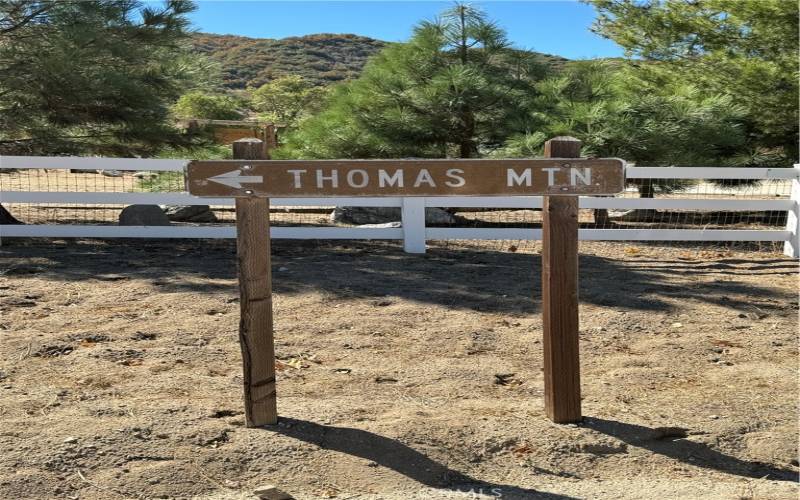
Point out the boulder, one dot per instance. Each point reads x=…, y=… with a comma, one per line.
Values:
x=434, y=215
x=6, y=217
x=365, y=215
x=189, y=213
x=143, y=215
x=145, y=175
x=382, y=215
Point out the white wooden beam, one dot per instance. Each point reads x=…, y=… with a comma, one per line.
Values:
x=709, y=173
x=446, y=233
x=111, y=198
x=179, y=231
x=792, y=246
x=591, y=202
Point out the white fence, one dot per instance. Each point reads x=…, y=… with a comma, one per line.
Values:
x=413, y=232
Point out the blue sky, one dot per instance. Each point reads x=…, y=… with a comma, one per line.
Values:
x=553, y=27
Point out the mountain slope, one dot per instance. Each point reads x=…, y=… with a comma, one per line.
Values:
x=323, y=58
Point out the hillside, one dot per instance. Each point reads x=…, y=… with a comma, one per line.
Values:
x=323, y=58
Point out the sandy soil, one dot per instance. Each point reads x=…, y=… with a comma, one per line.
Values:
x=400, y=376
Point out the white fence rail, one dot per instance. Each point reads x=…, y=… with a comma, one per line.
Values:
x=413, y=232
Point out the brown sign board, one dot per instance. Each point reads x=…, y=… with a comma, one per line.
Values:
x=332, y=178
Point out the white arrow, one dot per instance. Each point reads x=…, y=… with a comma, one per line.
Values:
x=235, y=179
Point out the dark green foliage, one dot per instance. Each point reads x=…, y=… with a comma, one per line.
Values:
x=747, y=49
x=91, y=76
x=617, y=114
x=453, y=90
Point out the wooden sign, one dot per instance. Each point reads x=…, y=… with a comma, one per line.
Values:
x=252, y=180
x=332, y=178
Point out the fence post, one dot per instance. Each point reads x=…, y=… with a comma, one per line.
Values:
x=792, y=246
x=413, y=217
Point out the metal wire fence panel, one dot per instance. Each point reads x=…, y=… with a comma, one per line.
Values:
x=119, y=181
x=689, y=205
x=98, y=197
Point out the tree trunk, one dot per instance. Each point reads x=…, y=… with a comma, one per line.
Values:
x=463, y=48
x=646, y=190
x=467, y=146
x=6, y=217
x=601, y=217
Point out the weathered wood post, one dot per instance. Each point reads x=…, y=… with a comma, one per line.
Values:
x=562, y=391
x=255, y=290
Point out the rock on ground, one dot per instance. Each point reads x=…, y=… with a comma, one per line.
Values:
x=6, y=217
x=145, y=175
x=143, y=215
x=189, y=213
x=271, y=492
x=381, y=215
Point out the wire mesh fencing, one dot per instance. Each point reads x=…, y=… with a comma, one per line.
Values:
x=650, y=218
x=118, y=181
x=673, y=217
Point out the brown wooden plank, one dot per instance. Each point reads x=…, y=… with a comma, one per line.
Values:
x=255, y=289
x=562, y=392
x=465, y=177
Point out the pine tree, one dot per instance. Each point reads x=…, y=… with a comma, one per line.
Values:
x=452, y=91
x=615, y=113
x=743, y=49
x=93, y=76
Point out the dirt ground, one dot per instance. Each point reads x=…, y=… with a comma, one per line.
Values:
x=400, y=376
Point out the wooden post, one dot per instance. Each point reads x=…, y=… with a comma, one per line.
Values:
x=270, y=137
x=255, y=289
x=562, y=391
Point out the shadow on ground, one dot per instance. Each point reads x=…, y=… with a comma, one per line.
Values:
x=683, y=450
x=404, y=460
x=475, y=279
x=400, y=458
